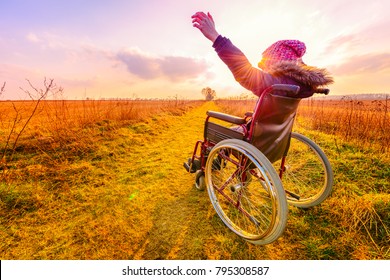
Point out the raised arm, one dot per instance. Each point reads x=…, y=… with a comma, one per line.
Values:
x=205, y=23
x=248, y=76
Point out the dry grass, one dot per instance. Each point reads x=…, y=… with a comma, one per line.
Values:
x=113, y=188
x=70, y=123
x=236, y=107
x=366, y=123
x=368, y=213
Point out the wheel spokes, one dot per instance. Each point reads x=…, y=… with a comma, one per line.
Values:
x=234, y=177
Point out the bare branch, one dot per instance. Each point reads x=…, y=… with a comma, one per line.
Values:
x=2, y=90
x=42, y=94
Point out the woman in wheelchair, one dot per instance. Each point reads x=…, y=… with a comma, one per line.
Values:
x=281, y=62
x=238, y=165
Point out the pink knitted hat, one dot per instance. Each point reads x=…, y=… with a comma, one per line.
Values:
x=284, y=50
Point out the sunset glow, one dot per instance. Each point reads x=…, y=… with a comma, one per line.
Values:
x=149, y=49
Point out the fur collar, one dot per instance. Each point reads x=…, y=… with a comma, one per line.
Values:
x=302, y=73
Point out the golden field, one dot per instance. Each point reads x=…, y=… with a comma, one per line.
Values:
x=104, y=180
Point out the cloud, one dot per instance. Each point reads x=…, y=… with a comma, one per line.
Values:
x=139, y=64
x=342, y=43
x=363, y=64
x=175, y=68
x=75, y=82
x=32, y=37
x=182, y=67
x=53, y=41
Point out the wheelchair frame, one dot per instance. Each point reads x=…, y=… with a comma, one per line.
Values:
x=234, y=147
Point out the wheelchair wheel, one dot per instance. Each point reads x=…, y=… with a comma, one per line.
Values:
x=307, y=176
x=246, y=191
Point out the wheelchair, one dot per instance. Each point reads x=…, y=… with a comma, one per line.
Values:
x=256, y=166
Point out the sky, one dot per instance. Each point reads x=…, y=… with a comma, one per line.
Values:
x=149, y=48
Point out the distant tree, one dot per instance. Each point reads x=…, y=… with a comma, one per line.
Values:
x=209, y=93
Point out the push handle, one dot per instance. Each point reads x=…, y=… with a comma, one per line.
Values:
x=322, y=91
x=291, y=89
x=294, y=89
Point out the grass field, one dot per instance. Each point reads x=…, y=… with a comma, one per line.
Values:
x=114, y=188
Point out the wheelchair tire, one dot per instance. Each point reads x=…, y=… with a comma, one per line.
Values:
x=308, y=173
x=246, y=191
x=200, y=180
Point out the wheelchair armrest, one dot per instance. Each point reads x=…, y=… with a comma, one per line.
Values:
x=226, y=117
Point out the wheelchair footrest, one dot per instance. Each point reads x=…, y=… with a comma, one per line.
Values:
x=192, y=168
x=186, y=166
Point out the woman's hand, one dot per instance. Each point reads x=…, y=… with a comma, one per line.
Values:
x=206, y=25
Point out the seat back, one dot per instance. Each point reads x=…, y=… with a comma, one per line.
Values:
x=271, y=124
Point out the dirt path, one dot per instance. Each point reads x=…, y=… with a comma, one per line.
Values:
x=175, y=211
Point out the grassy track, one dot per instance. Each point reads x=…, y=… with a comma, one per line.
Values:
x=128, y=197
